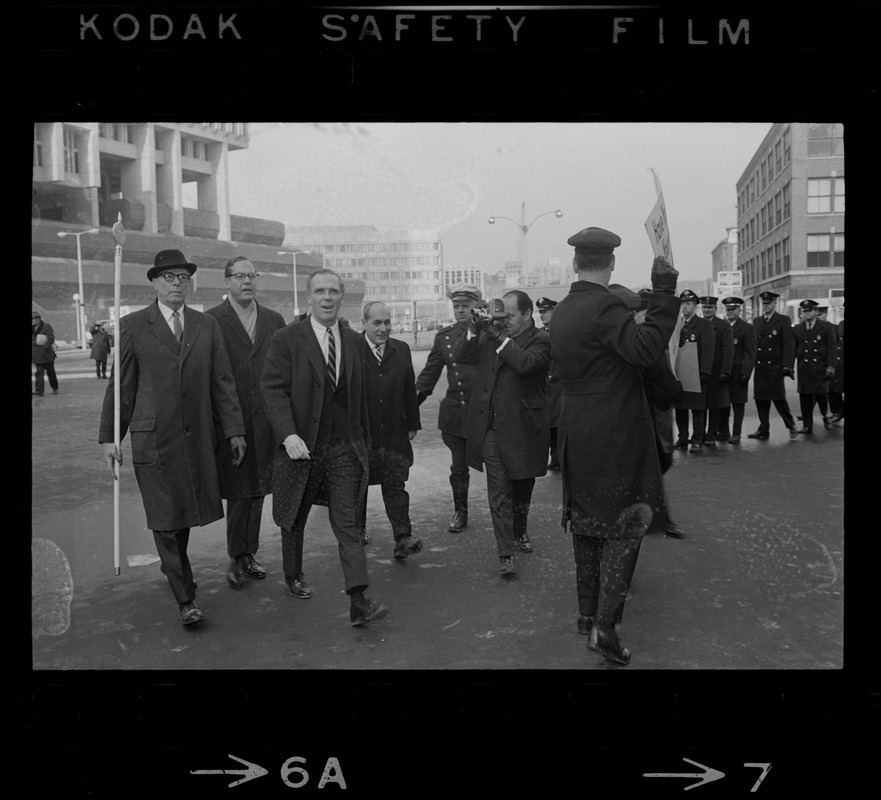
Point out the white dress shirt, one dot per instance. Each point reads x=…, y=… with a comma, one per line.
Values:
x=321, y=335
x=167, y=312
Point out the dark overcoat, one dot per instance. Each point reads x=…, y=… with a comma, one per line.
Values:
x=100, y=346
x=391, y=407
x=723, y=354
x=253, y=478
x=170, y=394
x=43, y=353
x=699, y=330
x=553, y=391
x=460, y=379
x=775, y=349
x=293, y=379
x=744, y=338
x=509, y=387
x=814, y=351
x=606, y=439
x=838, y=382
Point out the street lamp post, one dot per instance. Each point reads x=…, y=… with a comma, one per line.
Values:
x=293, y=254
x=524, y=229
x=81, y=307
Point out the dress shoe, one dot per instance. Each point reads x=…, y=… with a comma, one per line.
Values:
x=38, y=394
x=524, y=544
x=836, y=418
x=554, y=465
x=190, y=613
x=506, y=565
x=734, y=439
x=793, y=433
x=682, y=444
x=251, y=568
x=297, y=586
x=585, y=624
x=758, y=435
x=827, y=423
x=407, y=546
x=672, y=529
x=694, y=448
x=710, y=442
x=366, y=610
x=55, y=391
x=459, y=521
x=723, y=437
x=802, y=430
x=607, y=643
x=234, y=574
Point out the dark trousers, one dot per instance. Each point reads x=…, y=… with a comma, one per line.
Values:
x=836, y=403
x=459, y=474
x=806, y=402
x=172, y=549
x=763, y=407
x=725, y=413
x=555, y=456
x=699, y=421
x=243, y=519
x=49, y=369
x=509, y=499
x=100, y=369
x=395, y=498
x=714, y=418
x=338, y=468
x=603, y=571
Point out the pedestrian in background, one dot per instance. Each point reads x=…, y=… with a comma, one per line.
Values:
x=43, y=354
x=700, y=331
x=175, y=382
x=100, y=351
x=393, y=411
x=553, y=392
x=247, y=328
x=612, y=485
x=743, y=337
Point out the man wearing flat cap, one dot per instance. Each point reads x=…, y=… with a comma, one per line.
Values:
x=742, y=364
x=611, y=477
x=720, y=372
x=43, y=354
x=455, y=403
x=815, y=354
x=175, y=381
x=553, y=392
x=775, y=354
x=700, y=331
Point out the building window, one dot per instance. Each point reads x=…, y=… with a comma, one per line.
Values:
x=778, y=209
x=838, y=252
x=38, y=148
x=786, y=254
x=71, y=152
x=778, y=155
x=819, y=195
x=838, y=195
x=764, y=176
x=787, y=150
x=820, y=253
x=764, y=220
x=786, y=202
x=825, y=139
x=777, y=259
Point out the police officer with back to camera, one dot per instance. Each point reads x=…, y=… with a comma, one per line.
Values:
x=836, y=389
x=698, y=330
x=720, y=374
x=775, y=354
x=815, y=353
x=553, y=392
x=455, y=403
x=742, y=364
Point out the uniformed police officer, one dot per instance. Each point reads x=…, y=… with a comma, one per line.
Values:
x=836, y=390
x=815, y=354
x=775, y=354
x=742, y=364
x=553, y=392
x=698, y=330
x=720, y=374
x=454, y=406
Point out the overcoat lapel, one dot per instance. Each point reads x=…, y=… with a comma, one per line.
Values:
x=159, y=328
x=192, y=328
x=232, y=319
x=313, y=350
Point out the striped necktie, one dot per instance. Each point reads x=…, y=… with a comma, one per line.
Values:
x=178, y=330
x=331, y=357
x=378, y=352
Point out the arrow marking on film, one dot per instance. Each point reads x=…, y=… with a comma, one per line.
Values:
x=708, y=776
x=252, y=771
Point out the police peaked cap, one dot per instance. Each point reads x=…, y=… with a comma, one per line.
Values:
x=809, y=305
x=545, y=303
x=597, y=241
x=689, y=295
x=767, y=297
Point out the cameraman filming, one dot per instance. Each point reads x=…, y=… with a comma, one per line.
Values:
x=507, y=428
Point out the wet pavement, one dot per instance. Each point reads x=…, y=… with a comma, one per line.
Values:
x=756, y=584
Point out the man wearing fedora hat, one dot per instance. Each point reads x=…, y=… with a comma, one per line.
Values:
x=174, y=382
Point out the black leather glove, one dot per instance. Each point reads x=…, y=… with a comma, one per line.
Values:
x=787, y=372
x=420, y=397
x=743, y=379
x=830, y=372
x=705, y=378
x=663, y=276
x=724, y=377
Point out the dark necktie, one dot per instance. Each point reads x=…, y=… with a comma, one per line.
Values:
x=331, y=357
x=810, y=325
x=178, y=330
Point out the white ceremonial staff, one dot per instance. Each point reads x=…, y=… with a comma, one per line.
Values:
x=118, y=231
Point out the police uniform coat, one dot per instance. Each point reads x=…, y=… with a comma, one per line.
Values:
x=814, y=351
x=253, y=478
x=392, y=407
x=700, y=330
x=43, y=353
x=509, y=388
x=170, y=394
x=723, y=354
x=606, y=437
x=553, y=391
x=460, y=379
x=293, y=379
x=744, y=360
x=838, y=382
x=775, y=349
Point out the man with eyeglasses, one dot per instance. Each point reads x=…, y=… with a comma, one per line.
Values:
x=247, y=329
x=174, y=382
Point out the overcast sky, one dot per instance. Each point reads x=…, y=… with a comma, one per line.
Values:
x=454, y=176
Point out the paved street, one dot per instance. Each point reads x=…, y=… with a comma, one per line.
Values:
x=757, y=583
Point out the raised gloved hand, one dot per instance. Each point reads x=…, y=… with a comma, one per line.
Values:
x=663, y=276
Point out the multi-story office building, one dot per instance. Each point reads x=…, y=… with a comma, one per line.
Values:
x=85, y=174
x=790, y=215
x=401, y=268
x=472, y=275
